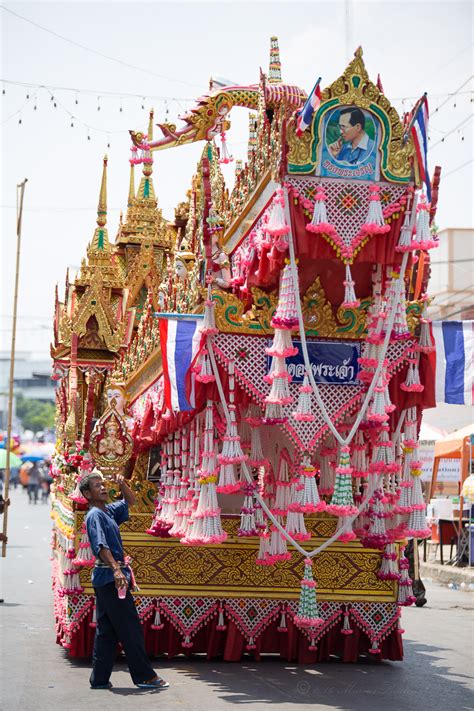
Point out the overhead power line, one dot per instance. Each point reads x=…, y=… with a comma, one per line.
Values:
x=95, y=51
x=95, y=92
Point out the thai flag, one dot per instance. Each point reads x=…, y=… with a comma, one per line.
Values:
x=419, y=132
x=305, y=116
x=180, y=340
x=454, y=342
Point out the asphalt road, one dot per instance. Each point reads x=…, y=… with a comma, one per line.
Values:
x=35, y=674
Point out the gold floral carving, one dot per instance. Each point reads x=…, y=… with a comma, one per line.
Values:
x=166, y=567
x=318, y=316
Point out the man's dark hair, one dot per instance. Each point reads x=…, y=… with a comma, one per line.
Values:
x=355, y=116
x=85, y=482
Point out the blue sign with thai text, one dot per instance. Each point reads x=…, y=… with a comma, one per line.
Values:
x=332, y=362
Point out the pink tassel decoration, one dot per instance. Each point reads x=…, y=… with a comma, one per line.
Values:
x=412, y=382
x=359, y=456
x=417, y=526
x=225, y=156
x=400, y=331
x=405, y=241
x=85, y=557
x=248, y=526
x=157, y=623
x=282, y=345
x=286, y=314
x=277, y=548
x=206, y=520
x=308, y=615
x=282, y=486
x=280, y=392
x=346, y=627
x=264, y=548
x=376, y=534
x=327, y=470
x=424, y=239
x=319, y=224
x=375, y=223
x=72, y=583
x=256, y=457
x=342, y=501
x=307, y=499
x=383, y=457
x=389, y=566
x=205, y=374
x=209, y=322
x=405, y=589
x=376, y=411
x=303, y=411
x=232, y=453
x=282, y=627
x=276, y=226
x=350, y=299
x=425, y=342
x=295, y=526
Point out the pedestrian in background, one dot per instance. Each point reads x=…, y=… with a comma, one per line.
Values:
x=34, y=479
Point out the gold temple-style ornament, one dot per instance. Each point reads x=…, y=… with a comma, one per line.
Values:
x=111, y=444
x=354, y=88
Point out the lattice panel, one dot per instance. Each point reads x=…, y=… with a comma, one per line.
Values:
x=338, y=399
x=376, y=619
x=347, y=203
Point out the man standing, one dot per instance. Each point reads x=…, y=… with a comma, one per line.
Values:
x=117, y=618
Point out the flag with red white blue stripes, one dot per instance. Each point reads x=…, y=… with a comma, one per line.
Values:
x=419, y=132
x=305, y=116
x=180, y=340
x=454, y=341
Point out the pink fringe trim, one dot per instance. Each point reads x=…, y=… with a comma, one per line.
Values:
x=228, y=489
x=415, y=388
x=303, y=418
x=308, y=621
x=345, y=538
x=341, y=510
x=322, y=228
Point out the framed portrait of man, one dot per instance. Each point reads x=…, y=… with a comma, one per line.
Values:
x=349, y=145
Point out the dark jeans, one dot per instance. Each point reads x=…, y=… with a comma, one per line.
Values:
x=118, y=621
x=33, y=492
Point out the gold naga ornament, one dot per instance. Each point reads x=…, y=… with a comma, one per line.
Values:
x=110, y=443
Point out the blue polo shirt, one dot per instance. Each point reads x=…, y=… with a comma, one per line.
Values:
x=103, y=531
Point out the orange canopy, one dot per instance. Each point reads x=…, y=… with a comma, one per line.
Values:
x=454, y=446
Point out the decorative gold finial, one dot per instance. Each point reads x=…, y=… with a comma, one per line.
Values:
x=131, y=187
x=274, y=69
x=102, y=207
x=150, y=125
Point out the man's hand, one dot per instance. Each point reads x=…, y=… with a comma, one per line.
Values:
x=127, y=493
x=3, y=539
x=334, y=148
x=120, y=579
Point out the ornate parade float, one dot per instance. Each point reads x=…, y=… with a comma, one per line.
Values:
x=258, y=369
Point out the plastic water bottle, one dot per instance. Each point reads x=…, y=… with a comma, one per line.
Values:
x=122, y=592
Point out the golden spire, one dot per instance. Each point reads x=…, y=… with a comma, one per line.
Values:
x=150, y=125
x=100, y=244
x=102, y=207
x=274, y=69
x=131, y=188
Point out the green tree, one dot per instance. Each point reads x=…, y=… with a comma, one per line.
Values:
x=35, y=415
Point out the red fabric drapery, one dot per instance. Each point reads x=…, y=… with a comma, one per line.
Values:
x=230, y=645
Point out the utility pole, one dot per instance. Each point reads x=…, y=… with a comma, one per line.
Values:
x=20, y=191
